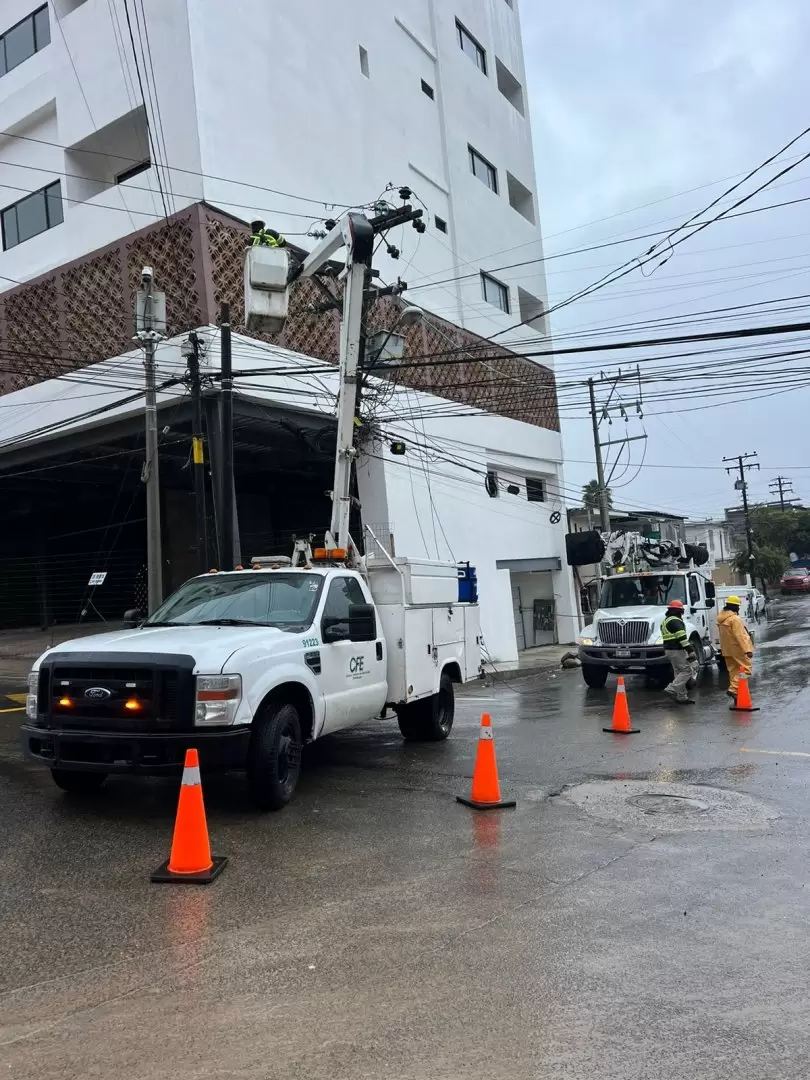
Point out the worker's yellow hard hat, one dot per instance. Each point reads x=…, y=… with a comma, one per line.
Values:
x=733, y=600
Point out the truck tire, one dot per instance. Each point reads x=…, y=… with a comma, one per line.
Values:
x=274, y=756
x=431, y=719
x=78, y=783
x=594, y=676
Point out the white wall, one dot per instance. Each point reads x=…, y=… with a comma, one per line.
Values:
x=439, y=508
x=344, y=137
x=272, y=95
x=71, y=89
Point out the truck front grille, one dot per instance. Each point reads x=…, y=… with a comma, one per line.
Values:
x=619, y=632
x=116, y=696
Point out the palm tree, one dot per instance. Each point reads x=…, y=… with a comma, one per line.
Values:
x=590, y=496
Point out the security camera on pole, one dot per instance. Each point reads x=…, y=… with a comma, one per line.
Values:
x=150, y=326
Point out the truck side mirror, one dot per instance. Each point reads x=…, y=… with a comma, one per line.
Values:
x=709, y=601
x=362, y=622
x=132, y=618
x=334, y=630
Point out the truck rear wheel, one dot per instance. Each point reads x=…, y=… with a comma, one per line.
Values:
x=431, y=719
x=594, y=676
x=274, y=756
x=78, y=783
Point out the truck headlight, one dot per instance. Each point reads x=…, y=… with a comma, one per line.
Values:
x=659, y=640
x=218, y=698
x=31, y=700
x=586, y=641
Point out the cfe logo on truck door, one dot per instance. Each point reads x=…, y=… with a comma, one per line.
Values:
x=357, y=667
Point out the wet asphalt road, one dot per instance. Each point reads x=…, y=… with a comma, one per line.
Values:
x=378, y=929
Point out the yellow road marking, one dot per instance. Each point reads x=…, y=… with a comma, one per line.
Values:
x=19, y=698
x=779, y=753
x=17, y=708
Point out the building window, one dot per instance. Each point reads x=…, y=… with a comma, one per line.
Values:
x=471, y=47
x=520, y=198
x=34, y=214
x=535, y=489
x=23, y=40
x=481, y=168
x=136, y=170
x=532, y=311
x=440, y=224
x=509, y=86
x=495, y=292
x=427, y=89
x=364, y=62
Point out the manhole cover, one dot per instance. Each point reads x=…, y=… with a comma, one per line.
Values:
x=651, y=803
x=669, y=806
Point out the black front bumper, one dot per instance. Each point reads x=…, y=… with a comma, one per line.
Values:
x=641, y=658
x=147, y=755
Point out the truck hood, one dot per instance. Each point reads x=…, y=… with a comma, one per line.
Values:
x=210, y=646
x=649, y=613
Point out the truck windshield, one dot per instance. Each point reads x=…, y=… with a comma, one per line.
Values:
x=287, y=601
x=651, y=589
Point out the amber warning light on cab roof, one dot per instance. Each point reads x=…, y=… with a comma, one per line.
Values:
x=329, y=555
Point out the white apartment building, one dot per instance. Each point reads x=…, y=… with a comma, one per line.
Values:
x=115, y=114
x=262, y=109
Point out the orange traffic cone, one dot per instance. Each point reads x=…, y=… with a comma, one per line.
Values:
x=621, y=713
x=743, y=702
x=190, y=860
x=486, y=791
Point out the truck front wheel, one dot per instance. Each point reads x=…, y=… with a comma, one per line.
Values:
x=78, y=783
x=274, y=756
x=431, y=719
x=594, y=676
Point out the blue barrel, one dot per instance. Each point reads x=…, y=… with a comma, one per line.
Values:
x=467, y=584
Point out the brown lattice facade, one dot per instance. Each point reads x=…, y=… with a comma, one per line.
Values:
x=81, y=313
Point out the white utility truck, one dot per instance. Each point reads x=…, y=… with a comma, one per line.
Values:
x=624, y=635
x=247, y=666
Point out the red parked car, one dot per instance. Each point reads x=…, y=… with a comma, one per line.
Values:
x=797, y=580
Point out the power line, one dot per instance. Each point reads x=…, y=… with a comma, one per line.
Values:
x=691, y=222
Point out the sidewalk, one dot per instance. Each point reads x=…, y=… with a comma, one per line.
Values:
x=19, y=648
x=531, y=662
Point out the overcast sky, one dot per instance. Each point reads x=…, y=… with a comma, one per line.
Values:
x=636, y=101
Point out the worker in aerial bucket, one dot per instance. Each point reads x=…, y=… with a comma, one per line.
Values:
x=260, y=236
x=735, y=644
x=680, y=653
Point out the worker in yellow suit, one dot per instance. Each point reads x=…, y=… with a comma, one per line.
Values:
x=735, y=644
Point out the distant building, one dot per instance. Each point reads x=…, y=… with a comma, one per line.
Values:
x=719, y=540
x=654, y=524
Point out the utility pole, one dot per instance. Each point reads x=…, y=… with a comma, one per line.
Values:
x=743, y=464
x=151, y=309
x=356, y=233
x=604, y=509
x=226, y=413
x=783, y=486
x=191, y=351
x=598, y=446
